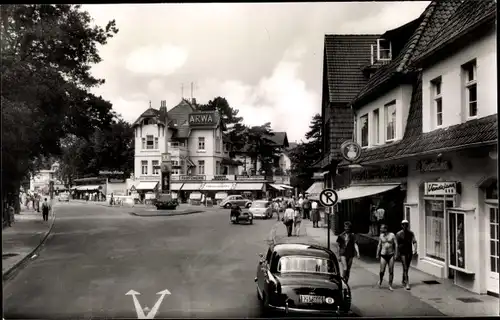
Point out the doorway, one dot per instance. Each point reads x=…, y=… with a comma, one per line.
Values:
x=494, y=264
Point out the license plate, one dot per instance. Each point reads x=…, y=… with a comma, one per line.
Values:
x=233, y=218
x=311, y=299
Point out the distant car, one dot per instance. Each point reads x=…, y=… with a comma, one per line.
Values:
x=299, y=278
x=235, y=200
x=64, y=197
x=237, y=216
x=261, y=209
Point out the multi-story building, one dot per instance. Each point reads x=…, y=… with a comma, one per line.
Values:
x=40, y=182
x=426, y=123
x=198, y=150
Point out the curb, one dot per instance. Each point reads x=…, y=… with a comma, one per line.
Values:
x=10, y=272
x=167, y=215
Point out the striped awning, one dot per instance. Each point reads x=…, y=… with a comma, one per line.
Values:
x=276, y=187
x=147, y=185
x=191, y=187
x=249, y=186
x=176, y=186
x=286, y=186
x=87, y=188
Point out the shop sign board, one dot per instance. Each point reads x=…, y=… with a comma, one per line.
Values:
x=251, y=178
x=440, y=188
x=350, y=150
x=218, y=186
x=202, y=119
x=383, y=173
x=192, y=178
x=433, y=165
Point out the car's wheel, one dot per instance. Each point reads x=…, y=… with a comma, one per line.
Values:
x=227, y=205
x=248, y=205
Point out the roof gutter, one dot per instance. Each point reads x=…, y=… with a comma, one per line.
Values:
x=423, y=59
x=448, y=149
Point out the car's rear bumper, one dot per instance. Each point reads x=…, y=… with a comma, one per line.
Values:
x=297, y=311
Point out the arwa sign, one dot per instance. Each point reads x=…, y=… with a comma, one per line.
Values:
x=202, y=119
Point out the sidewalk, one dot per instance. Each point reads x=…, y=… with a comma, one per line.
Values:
x=422, y=300
x=24, y=238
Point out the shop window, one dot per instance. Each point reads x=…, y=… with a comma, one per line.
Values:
x=457, y=239
x=435, y=244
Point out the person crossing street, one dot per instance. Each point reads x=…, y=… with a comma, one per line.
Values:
x=45, y=210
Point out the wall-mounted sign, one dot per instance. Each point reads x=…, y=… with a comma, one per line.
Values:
x=110, y=172
x=114, y=180
x=350, y=150
x=440, y=188
x=220, y=178
x=382, y=173
x=165, y=157
x=192, y=178
x=202, y=119
x=251, y=178
x=218, y=186
x=433, y=165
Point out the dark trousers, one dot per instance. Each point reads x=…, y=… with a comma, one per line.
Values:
x=307, y=214
x=289, y=227
x=45, y=215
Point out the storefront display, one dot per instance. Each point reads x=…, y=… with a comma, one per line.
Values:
x=434, y=235
x=457, y=239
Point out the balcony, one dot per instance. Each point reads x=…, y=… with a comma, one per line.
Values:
x=177, y=150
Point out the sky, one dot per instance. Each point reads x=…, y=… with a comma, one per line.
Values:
x=266, y=59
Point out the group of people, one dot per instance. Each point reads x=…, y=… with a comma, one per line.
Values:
x=390, y=247
x=294, y=211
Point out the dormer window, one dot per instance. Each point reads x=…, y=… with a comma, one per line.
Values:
x=382, y=51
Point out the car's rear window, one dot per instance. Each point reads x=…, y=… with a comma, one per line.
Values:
x=305, y=264
x=260, y=204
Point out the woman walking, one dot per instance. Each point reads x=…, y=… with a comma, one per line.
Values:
x=297, y=220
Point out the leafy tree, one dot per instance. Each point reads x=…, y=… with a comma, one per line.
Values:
x=306, y=154
x=259, y=147
x=47, y=53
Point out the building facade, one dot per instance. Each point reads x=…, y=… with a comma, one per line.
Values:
x=199, y=154
x=427, y=125
x=40, y=182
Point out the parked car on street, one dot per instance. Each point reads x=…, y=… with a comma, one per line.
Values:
x=64, y=197
x=235, y=200
x=261, y=209
x=300, y=278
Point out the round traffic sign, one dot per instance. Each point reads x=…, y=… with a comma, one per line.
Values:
x=328, y=197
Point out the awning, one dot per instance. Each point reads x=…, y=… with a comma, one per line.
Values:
x=286, y=186
x=189, y=162
x=276, y=187
x=191, y=187
x=249, y=186
x=176, y=186
x=354, y=192
x=217, y=186
x=147, y=185
x=87, y=188
x=315, y=188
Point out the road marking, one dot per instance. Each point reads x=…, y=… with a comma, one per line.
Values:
x=140, y=311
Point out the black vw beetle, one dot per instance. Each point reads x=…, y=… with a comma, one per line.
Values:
x=298, y=278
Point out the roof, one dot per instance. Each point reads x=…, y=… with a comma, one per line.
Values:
x=432, y=20
x=149, y=113
x=301, y=248
x=344, y=57
x=179, y=118
x=279, y=139
x=468, y=15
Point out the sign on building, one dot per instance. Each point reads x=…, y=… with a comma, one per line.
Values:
x=251, y=178
x=192, y=178
x=440, y=188
x=202, y=118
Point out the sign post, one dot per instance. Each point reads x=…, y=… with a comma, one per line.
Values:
x=328, y=198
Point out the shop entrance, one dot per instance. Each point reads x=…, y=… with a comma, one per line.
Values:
x=494, y=265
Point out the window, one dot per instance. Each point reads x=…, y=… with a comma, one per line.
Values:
x=363, y=123
x=390, y=121
x=376, y=124
x=149, y=142
x=143, y=143
x=435, y=245
x=156, y=167
x=469, y=70
x=217, y=144
x=175, y=172
x=305, y=264
x=201, y=143
x=217, y=167
x=144, y=167
x=156, y=142
x=201, y=166
x=384, y=50
x=438, y=101
x=457, y=239
x=226, y=147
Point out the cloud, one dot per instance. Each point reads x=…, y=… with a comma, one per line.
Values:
x=164, y=60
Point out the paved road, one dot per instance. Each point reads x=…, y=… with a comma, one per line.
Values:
x=95, y=255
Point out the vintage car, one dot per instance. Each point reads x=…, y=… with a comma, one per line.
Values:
x=237, y=215
x=63, y=197
x=301, y=278
x=261, y=209
x=235, y=200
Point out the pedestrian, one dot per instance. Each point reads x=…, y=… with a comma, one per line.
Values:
x=315, y=214
x=407, y=248
x=45, y=210
x=300, y=202
x=306, y=207
x=348, y=248
x=11, y=215
x=297, y=221
x=276, y=208
x=288, y=218
x=387, y=252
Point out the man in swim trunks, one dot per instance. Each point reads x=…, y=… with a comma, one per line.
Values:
x=387, y=252
x=407, y=248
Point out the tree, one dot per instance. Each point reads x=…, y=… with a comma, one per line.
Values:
x=47, y=53
x=259, y=147
x=229, y=116
x=306, y=154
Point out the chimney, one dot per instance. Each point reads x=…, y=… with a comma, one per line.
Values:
x=193, y=101
x=163, y=111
